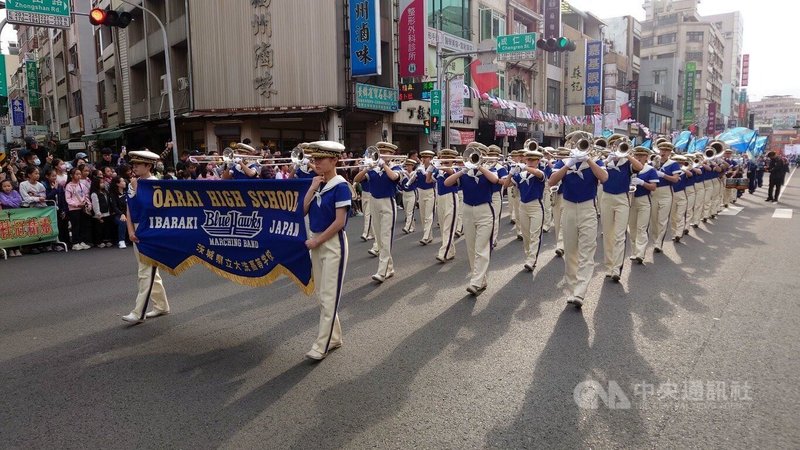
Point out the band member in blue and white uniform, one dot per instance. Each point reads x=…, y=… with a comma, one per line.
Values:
x=476, y=181
x=557, y=194
x=699, y=190
x=548, y=195
x=383, y=181
x=709, y=172
x=729, y=195
x=668, y=171
x=615, y=205
x=646, y=181
x=691, y=192
x=408, y=188
x=580, y=174
x=150, y=286
x=497, y=189
x=530, y=178
x=242, y=168
x=679, y=199
x=305, y=169
x=447, y=204
x=426, y=195
x=366, y=200
x=513, y=192
x=327, y=204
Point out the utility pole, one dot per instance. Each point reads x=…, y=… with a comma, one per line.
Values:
x=438, y=68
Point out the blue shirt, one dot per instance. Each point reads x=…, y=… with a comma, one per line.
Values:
x=300, y=173
x=649, y=175
x=408, y=187
x=240, y=175
x=501, y=172
x=422, y=183
x=380, y=185
x=322, y=215
x=441, y=189
x=671, y=169
x=365, y=185
x=576, y=189
x=477, y=191
x=530, y=186
x=619, y=178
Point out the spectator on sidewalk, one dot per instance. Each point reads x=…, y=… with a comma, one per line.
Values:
x=55, y=193
x=103, y=225
x=118, y=203
x=77, y=197
x=60, y=168
x=9, y=199
x=32, y=191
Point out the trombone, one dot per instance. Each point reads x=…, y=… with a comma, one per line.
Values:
x=371, y=158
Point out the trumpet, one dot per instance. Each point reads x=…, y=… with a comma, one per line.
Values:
x=371, y=158
x=655, y=160
x=297, y=158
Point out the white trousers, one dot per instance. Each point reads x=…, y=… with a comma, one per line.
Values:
x=447, y=207
x=531, y=221
x=366, y=200
x=478, y=224
x=409, y=205
x=427, y=202
x=328, y=264
x=460, y=214
x=497, y=208
x=708, y=186
x=514, y=205
x=716, y=199
x=558, y=209
x=729, y=194
x=659, y=214
x=638, y=222
x=678, y=213
x=148, y=291
x=383, y=218
x=699, y=201
x=547, y=200
x=614, y=212
x=691, y=198
x=579, y=225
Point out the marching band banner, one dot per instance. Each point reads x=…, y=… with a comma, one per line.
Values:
x=250, y=232
x=23, y=226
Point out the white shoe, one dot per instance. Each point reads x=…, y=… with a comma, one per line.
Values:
x=85, y=246
x=132, y=318
x=156, y=313
x=76, y=247
x=315, y=355
x=122, y=244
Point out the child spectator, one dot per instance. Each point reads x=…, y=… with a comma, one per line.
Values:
x=55, y=192
x=9, y=198
x=102, y=222
x=77, y=197
x=61, y=172
x=207, y=172
x=33, y=193
x=118, y=202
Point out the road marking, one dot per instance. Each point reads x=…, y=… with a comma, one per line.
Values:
x=787, y=184
x=782, y=213
x=731, y=211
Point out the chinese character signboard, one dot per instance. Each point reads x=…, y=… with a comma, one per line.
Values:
x=688, y=92
x=51, y=13
x=743, y=106
x=263, y=52
x=416, y=91
x=436, y=102
x=594, y=73
x=516, y=47
x=412, y=31
x=552, y=18
x=376, y=97
x=745, y=70
x=365, y=50
x=711, y=128
x=32, y=74
x=576, y=73
x=18, y=112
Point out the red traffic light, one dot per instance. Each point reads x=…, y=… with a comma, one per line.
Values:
x=109, y=18
x=97, y=16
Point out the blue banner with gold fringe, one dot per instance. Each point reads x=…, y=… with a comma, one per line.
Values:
x=247, y=231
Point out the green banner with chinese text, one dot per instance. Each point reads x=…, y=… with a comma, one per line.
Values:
x=32, y=74
x=23, y=226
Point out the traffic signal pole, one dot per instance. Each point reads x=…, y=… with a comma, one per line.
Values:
x=169, y=78
x=446, y=91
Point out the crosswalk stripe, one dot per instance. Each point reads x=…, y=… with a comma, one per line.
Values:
x=731, y=211
x=782, y=213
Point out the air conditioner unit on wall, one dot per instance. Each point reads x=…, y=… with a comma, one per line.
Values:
x=71, y=68
x=164, y=85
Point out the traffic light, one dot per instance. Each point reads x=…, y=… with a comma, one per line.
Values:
x=109, y=17
x=435, y=123
x=552, y=44
x=427, y=124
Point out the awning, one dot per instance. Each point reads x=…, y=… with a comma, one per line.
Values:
x=108, y=134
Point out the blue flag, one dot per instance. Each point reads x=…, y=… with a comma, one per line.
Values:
x=247, y=231
x=681, y=142
x=739, y=139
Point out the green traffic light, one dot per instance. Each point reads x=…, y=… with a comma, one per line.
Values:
x=563, y=42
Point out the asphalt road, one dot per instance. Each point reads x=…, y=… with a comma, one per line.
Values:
x=698, y=349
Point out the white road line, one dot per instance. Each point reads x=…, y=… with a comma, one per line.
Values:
x=782, y=213
x=783, y=190
x=731, y=211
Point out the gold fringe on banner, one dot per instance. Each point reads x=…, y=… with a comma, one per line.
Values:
x=273, y=274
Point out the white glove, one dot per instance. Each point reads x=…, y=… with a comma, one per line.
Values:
x=430, y=169
x=582, y=158
x=238, y=167
x=469, y=165
x=569, y=162
x=304, y=162
x=514, y=170
x=464, y=170
x=380, y=162
x=637, y=181
x=660, y=174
